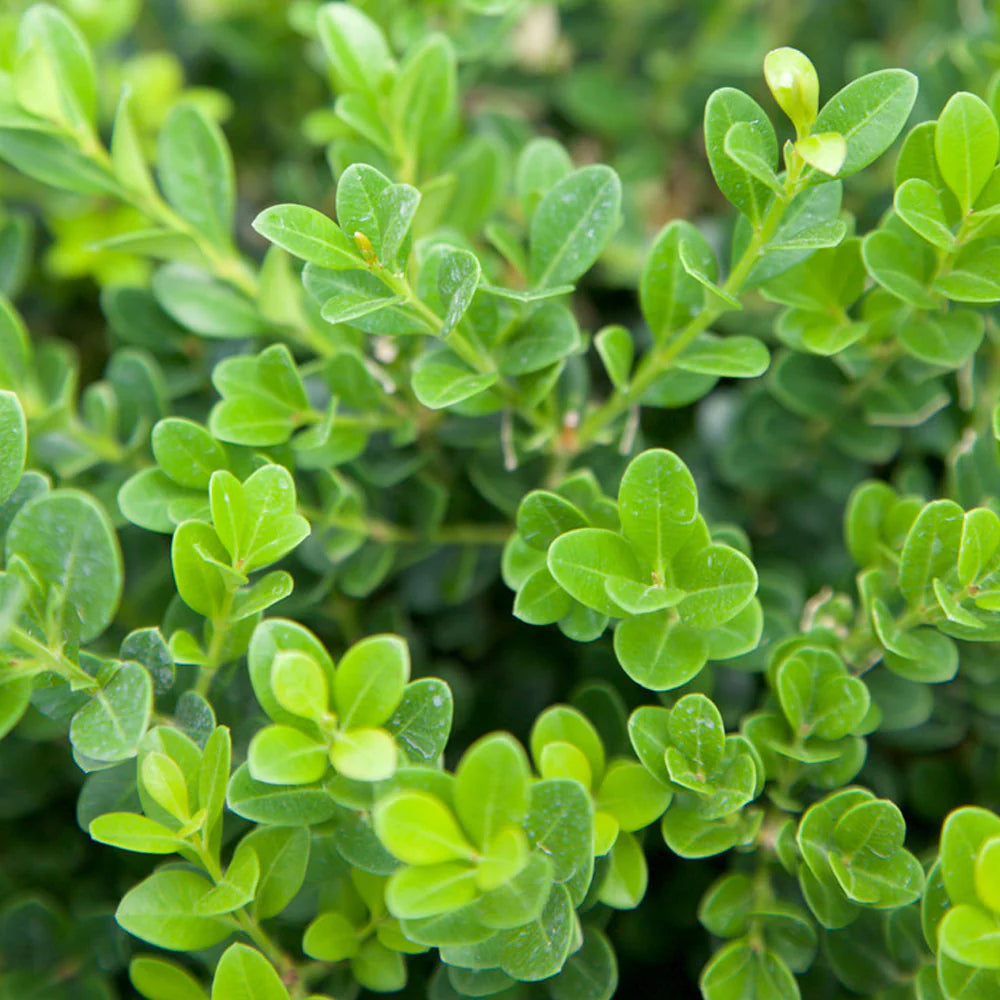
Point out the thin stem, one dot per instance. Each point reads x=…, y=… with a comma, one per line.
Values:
x=658, y=360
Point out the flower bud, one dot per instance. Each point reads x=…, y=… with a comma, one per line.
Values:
x=792, y=79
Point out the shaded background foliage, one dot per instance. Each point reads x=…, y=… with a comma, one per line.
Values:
x=618, y=82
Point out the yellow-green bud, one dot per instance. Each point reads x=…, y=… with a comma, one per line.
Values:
x=792, y=79
x=826, y=151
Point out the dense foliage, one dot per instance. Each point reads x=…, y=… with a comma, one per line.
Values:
x=394, y=600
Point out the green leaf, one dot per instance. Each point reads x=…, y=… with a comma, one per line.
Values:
x=51, y=160
x=659, y=652
x=309, y=235
x=245, y=974
x=724, y=109
x=68, y=541
x=669, y=296
x=696, y=730
x=213, y=776
x=331, y=937
x=164, y=782
x=732, y=357
x=978, y=544
x=419, y=829
x=300, y=685
x=441, y=378
x=370, y=680
x=364, y=754
x=931, y=548
x=543, y=516
x=963, y=835
x=719, y=582
x=458, y=275
x=539, y=949
x=359, y=189
x=237, y=888
x=590, y=973
x=560, y=825
x=740, y=970
x=542, y=164
x=744, y=147
x=492, y=785
x=48, y=35
x=695, y=265
x=627, y=875
x=14, y=434
x=260, y=802
x=158, y=979
x=540, y=600
x=966, y=143
x=161, y=910
x=919, y=205
x=110, y=726
x=131, y=832
x=948, y=339
x=195, y=170
x=281, y=755
x=615, y=347
x=413, y=893
x=582, y=560
x=899, y=266
x=355, y=47
x=128, y=157
x=657, y=501
x=971, y=935
x=423, y=102
x=986, y=872
x=195, y=553
x=268, y=528
x=973, y=275
x=632, y=795
x=564, y=725
x=421, y=723
x=282, y=854
x=549, y=334
x=869, y=113
x=825, y=151
x=205, y=306
x=186, y=452
x=572, y=224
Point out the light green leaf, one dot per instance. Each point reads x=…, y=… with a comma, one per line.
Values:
x=161, y=910
x=370, y=680
x=131, y=832
x=419, y=829
x=492, y=786
x=364, y=754
x=245, y=974
x=158, y=979
x=281, y=755
x=355, y=47
x=966, y=143
x=919, y=205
